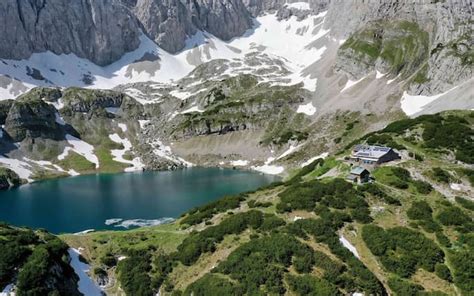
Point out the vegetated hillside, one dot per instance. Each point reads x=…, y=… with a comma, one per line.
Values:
x=408, y=233
x=36, y=262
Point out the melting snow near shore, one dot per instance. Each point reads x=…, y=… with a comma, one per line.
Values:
x=86, y=285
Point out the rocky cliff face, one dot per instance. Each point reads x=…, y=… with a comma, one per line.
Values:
x=101, y=31
x=170, y=22
x=441, y=31
x=8, y=178
x=32, y=118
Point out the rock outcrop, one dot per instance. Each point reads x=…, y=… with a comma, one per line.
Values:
x=32, y=118
x=8, y=178
x=449, y=38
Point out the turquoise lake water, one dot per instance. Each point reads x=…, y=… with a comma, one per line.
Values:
x=114, y=201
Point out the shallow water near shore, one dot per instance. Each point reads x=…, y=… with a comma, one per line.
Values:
x=121, y=201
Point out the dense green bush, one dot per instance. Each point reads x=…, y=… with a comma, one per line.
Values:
x=453, y=134
x=402, y=250
x=31, y=279
x=376, y=191
x=199, y=214
x=420, y=210
x=422, y=186
x=394, y=176
x=461, y=263
x=441, y=175
x=310, y=285
x=332, y=269
x=205, y=241
x=443, y=239
x=336, y=193
x=384, y=140
x=449, y=132
x=304, y=263
x=271, y=222
x=12, y=254
x=453, y=216
x=162, y=266
x=469, y=174
x=465, y=203
x=257, y=204
x=30, y=257
x=35, y=276
x=404, y=288
x=419, y=157
x=213, y=284
x=133, y=273
x=306, y=170
x=108, y=260
x=323, y=230
x=442, y=271
x=262, y=262
x=376, y=239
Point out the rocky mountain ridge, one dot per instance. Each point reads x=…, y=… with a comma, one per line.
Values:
x=307, y=76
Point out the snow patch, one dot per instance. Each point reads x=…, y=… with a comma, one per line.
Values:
x=112, y=110
x=289, y=151
x=45, y=164
x=192, y=109
x=117, y=222
x=73, y=173
x=80, y=147
x=120, y=258
x=143, y=123
x=239, y=162
x=414, y=104
x=123, y=127
x=349, y=246
x=85, y=285
x=59, y=119
x=112, y=221
x=455, y=186
x=392, y=80
x=182, y=95
x=84, y=232
x=21, y=168
x=118, y=154
x=351, y=83
x=161, y=150
x=307, y=109
x=269, y=169
x=379, y=75
x=298, y=5
x=309, y=161
x=8, y=290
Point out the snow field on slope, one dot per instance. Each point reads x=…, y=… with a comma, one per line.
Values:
x=80, y=147
x=288, y=40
